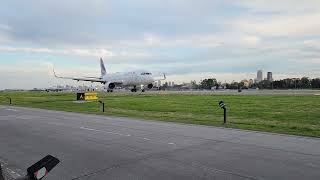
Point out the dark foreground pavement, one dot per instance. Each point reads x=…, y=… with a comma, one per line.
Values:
x=99, y=147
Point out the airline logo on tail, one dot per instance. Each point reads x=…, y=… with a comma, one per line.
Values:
x=103, y=68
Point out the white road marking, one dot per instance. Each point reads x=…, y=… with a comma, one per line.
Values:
x=12, y=110
x=89, y=129
x=116, y=133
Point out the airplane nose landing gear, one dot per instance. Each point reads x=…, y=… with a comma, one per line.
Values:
x=142, y=88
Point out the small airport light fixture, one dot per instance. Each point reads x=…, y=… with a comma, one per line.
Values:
x=223, y=106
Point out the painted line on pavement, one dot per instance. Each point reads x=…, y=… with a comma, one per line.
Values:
x=109, y=132
x=120, y=134
x=8, y=109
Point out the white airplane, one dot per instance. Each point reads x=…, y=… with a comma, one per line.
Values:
x=132, y=79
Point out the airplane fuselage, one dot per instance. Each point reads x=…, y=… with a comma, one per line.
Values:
x=130, y=78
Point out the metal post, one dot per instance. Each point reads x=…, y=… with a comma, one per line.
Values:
x=225, y=115
x=10, y=100
x=102, y=105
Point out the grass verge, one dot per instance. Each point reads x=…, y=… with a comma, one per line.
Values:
x=298, y=115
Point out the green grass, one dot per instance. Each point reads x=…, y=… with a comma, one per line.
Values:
x=298, y=115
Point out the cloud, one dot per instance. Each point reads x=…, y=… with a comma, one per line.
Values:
x=282, y=25
x=286, y=18
x=251, y=40
x=4, y=27
x=182, y=38
x=95, y=52
x=77, y=52
x=283, y=6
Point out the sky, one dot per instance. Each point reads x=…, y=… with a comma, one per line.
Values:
x=186, y=39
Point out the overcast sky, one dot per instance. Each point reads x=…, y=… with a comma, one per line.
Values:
x=188, y=40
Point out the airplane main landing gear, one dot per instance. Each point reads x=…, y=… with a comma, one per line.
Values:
x=134, y=89
x=142, y=90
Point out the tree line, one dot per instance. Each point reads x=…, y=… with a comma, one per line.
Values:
x=288, y=83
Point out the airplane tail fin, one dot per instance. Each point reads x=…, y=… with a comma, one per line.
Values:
x=103, y=68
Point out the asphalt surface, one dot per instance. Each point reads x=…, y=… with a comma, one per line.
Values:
x=100, y=147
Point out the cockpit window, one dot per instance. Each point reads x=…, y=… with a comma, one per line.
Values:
x=146, y=73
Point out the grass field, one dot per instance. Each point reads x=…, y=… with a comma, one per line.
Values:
x=299, y=115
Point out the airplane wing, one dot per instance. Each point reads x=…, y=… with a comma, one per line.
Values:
x=89, y=79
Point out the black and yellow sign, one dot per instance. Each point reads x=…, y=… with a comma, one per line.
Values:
x=91, y=96
x=87, y=96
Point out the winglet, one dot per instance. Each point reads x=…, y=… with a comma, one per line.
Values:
x=164, y=76
x=54, y=73
x=102, y=67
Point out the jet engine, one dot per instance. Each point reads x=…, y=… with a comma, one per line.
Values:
x=110, y=85
x=150, y=86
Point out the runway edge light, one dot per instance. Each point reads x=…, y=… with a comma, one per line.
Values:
x=223, y=106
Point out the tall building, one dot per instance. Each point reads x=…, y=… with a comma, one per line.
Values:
x=259, y=76
x=269, y=76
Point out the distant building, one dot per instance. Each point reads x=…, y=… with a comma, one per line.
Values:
x=259, y=76
x=246, y=83
x=269, y=76
x=251, y=82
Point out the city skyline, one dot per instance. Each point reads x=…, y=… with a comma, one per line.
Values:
x=191, y=40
